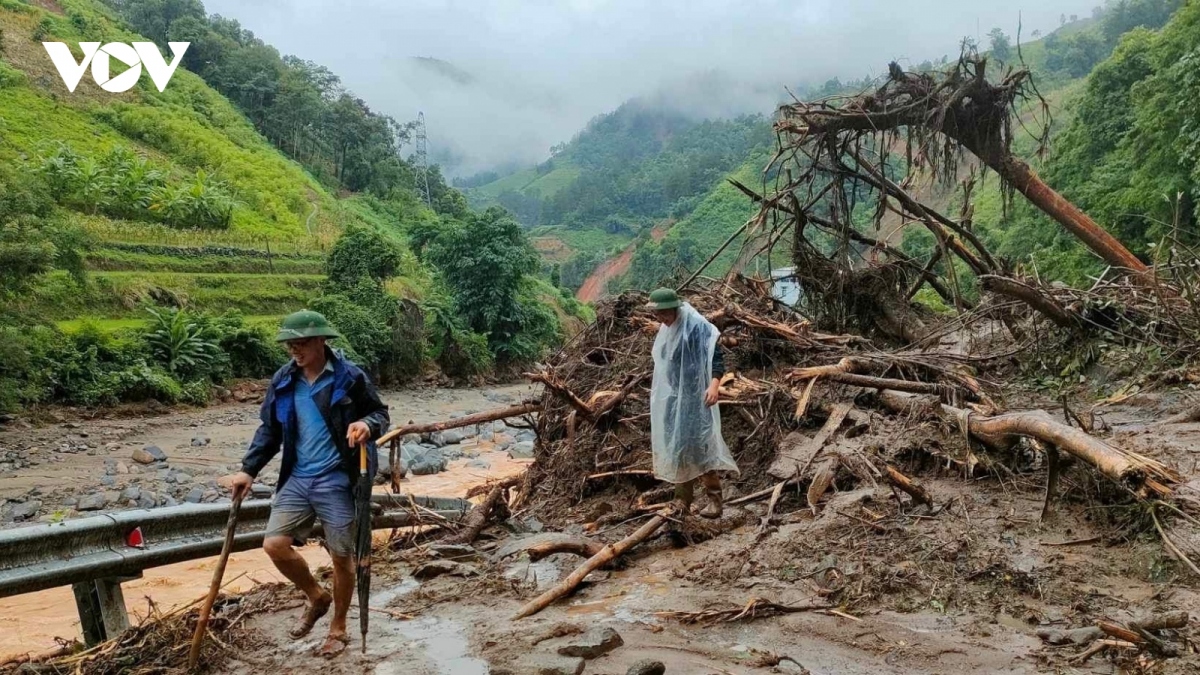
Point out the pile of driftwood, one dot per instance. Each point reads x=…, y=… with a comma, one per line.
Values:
x=161, y=642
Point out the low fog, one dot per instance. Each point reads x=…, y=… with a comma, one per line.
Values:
x=500, y=81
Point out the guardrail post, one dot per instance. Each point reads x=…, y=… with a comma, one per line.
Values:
x=101, y=605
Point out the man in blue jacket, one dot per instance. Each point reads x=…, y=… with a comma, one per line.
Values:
x=319, y=408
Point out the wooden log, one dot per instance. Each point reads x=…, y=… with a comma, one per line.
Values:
x=822, y=478
x=1031, y=296
x=477, y=519
x=478, y=418
x=562, y=391
x=576, y=545
x=795, y=462
x=1176, y=619
x=1000, y=431
x=908, y=485
x=1118, y=631
x=604, y=557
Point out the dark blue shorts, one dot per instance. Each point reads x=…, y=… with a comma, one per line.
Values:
x=304, y=500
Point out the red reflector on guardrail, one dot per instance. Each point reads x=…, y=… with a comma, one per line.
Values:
x=134, y=539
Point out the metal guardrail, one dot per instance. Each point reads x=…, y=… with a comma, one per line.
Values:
x=60, y=554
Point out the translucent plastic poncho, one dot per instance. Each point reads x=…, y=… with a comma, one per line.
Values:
x=685, y=433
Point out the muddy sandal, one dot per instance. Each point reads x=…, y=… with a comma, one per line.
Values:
x=312, y=614
x=334, y=645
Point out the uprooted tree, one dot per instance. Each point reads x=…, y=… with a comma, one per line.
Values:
x=845, y=163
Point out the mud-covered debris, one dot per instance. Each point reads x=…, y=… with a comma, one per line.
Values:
x=457, y=552
x=439, y=568
x=1076, y=636
x=592, y=644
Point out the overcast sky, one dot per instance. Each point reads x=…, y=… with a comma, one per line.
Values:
x=531, y=73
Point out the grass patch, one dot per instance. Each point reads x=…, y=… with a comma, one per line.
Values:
x=117, y=295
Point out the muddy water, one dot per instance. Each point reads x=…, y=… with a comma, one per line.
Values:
x=31, y=622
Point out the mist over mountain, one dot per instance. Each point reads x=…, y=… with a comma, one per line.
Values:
x=502, y=82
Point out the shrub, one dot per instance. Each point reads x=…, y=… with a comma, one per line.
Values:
x=361, y=253
x=457, y=351
x=250, y=350
x=180, y=344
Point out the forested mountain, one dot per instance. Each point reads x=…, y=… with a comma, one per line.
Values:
x=604, y=190
x=626, y=171
x=1130, y=155
x=149, y=240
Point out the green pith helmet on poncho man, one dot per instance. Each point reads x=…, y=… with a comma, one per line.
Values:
x=664, y=298
x=305, y=324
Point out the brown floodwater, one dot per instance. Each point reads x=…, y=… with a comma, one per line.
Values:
x=31, y=622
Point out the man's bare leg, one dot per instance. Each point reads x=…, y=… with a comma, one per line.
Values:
x=343, y=593
x=295, y=568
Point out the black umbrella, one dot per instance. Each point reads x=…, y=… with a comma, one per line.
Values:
x=362, y=548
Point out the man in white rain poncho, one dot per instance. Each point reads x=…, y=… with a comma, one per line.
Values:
x=685, y=422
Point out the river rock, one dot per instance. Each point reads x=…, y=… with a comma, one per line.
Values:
x=430, y=462
x=108, y=481
x=453, y=436
x=383, y=461
x=132, y=492
x=526, y=435
x=25, y=510
x=411, y=452
x=92, y=502
x=436, y=439
x=122, y=468
x=168, y=500
x=647, y=667
x=149, y=455
x=437, y=568
x=183, y=478
x=457, y=552
x=478, y=464
x=522, y=450
x=592, y=644
x=147, y=500
x=200, y=440
x=452, y=453
x=194, y=495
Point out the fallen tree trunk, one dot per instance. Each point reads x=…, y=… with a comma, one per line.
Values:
x=1034, y=298
x=1001, y=431
x=576, y=545
x=478, y=418
x=477, y=519
x=604, y=557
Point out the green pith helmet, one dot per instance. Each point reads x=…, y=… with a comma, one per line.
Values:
x=305, y=324
x=664, y=298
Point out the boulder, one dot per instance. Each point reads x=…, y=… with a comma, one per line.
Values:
x=452, y=437
x=25, y=510
x=149, y=455
x=92, y=502
x=437, y=568
x=647, y=667
x=596, y=642
x=431, y=462
x=194, y=495
x=522, y=450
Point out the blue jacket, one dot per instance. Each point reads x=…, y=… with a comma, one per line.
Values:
x=351, y=398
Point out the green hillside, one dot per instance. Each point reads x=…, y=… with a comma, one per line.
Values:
x=1061, y=63
x=148, y=240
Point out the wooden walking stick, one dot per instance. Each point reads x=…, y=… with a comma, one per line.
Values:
x=218, y=574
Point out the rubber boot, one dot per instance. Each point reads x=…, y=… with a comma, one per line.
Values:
x=685, y=493
x=714, y=507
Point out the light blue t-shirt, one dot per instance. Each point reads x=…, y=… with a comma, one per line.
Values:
x=316, y=453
